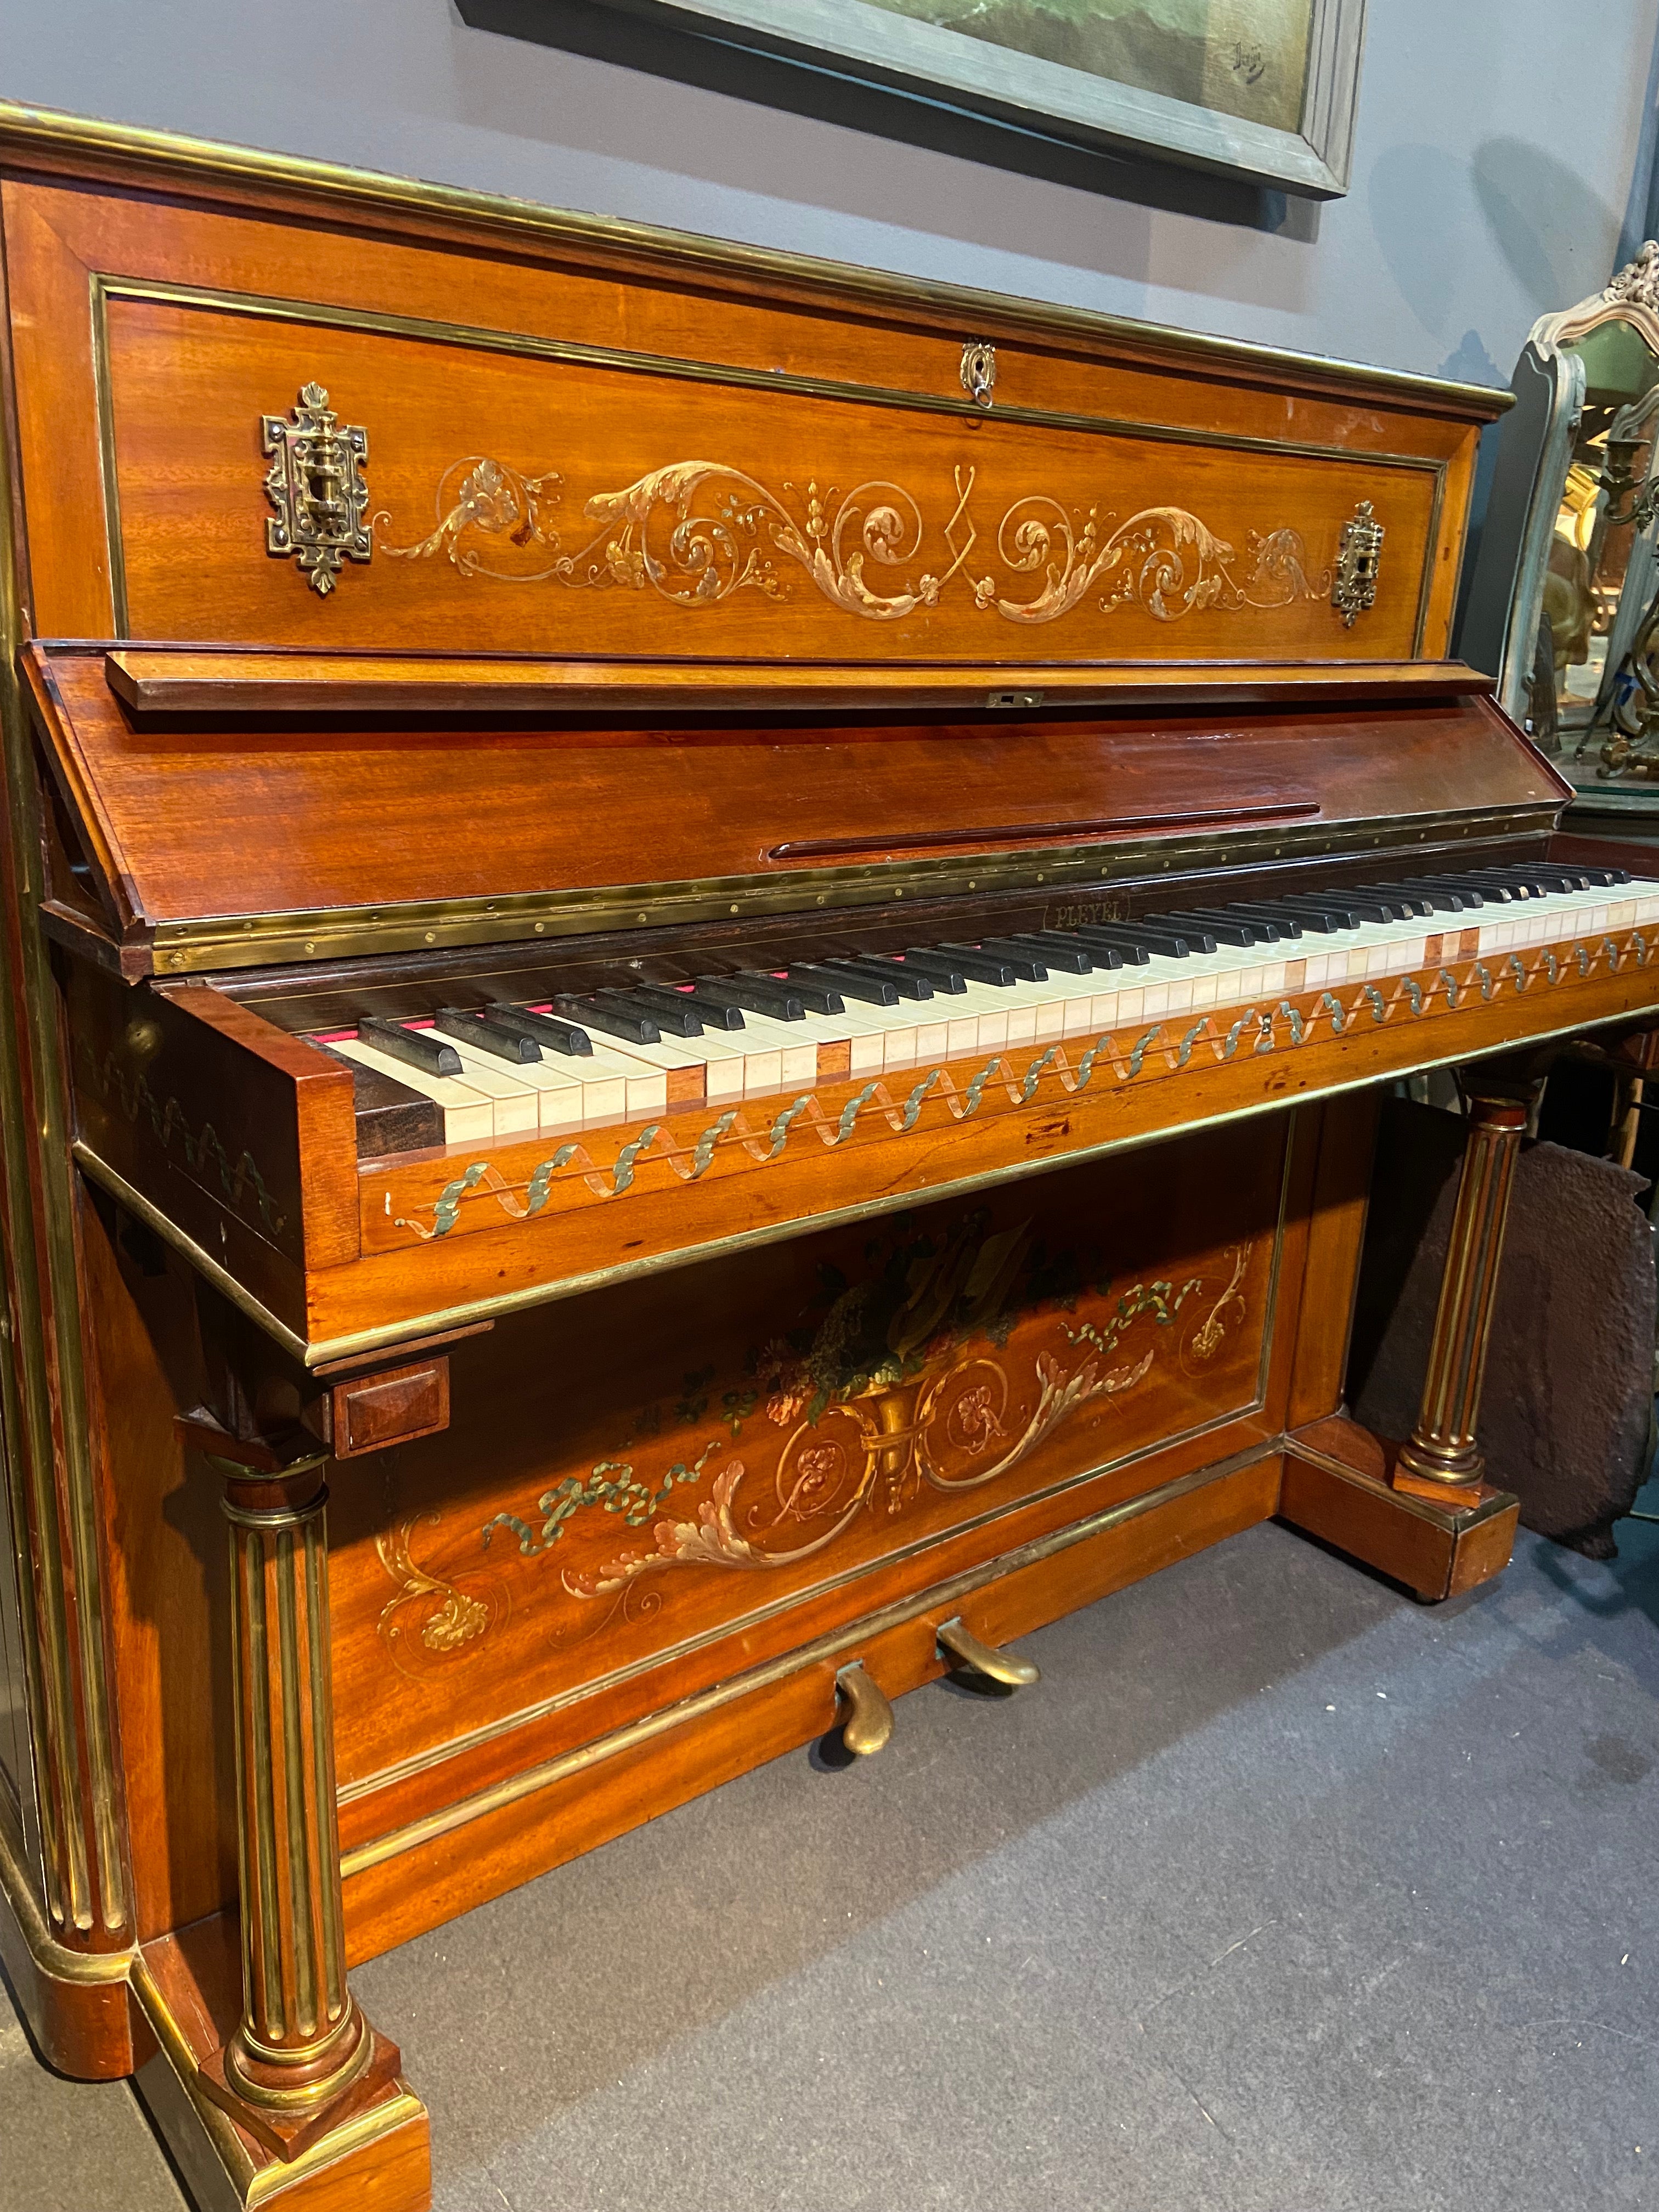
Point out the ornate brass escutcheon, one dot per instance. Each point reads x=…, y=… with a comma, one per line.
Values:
x=958, y=1643
x=315, y=483
x=1359, y=560
x=868, y=1726
x=979, y=371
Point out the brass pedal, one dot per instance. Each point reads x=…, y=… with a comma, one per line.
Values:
x=869, y=1721
x=960, y=1643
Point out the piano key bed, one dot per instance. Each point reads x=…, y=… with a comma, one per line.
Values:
x=1072, y=1019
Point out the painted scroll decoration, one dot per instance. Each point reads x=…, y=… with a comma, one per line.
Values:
x=910, y=1381
x=699, y=533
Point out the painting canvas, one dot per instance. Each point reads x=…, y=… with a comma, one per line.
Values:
x=1262, y=89
x=1244, y=58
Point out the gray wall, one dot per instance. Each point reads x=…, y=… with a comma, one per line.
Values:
x=1497, y=152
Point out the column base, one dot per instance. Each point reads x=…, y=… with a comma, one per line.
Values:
x=367, y=2150
x=287, y=2134
x=1341, y=1485
x=74, y=2001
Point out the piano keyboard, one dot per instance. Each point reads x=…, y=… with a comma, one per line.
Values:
x=627, y=1054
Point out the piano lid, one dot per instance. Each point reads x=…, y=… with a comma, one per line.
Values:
x=234, y=809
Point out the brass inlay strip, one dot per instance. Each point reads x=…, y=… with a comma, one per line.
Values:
x=263, y=1996
x=525, y=345
x=449, y=1818
x=184, y=160
x=112, y=1180
x=57, y=1961
x=325, y=1836
x=292, y=1690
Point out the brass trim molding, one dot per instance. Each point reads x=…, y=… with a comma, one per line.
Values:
x=1454, y=1517
x=481, y=337
x=113, y=1181
x=222, y=942
x=946, y=1593
x=52, y=135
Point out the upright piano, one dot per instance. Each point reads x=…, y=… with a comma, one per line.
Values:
x=711, y=938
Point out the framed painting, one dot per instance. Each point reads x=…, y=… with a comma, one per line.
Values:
x=1264, y=90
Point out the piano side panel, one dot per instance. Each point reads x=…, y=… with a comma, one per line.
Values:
x=239, y=1134
x=1263, y=447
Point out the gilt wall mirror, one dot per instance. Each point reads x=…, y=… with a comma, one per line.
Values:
x=1563, y=604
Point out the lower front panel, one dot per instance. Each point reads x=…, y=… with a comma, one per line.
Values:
x=653, y=1490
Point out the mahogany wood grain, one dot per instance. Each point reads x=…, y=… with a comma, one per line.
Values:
x=79, y=2027
x=229, y=683
x=168, y=1611
x=469, y=1585
x=225, y=821
x=611, y=709
x=58, y=241
x=1342, y=1196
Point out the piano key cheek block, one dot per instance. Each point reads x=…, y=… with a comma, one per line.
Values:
x=649, y=1099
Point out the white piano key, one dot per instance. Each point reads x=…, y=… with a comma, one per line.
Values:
x=565, y=1099
x=469, y=1115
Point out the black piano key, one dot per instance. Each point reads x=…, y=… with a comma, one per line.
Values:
x=891, y=974
x=545, y=1029
x=1601, y=878
x=485, y=1035
x=1097, y=955
x=1222, y=929
x=1347, y=909
x=1112, y=936
x=676, y=1015
x=818, y=991
x=1410, y=903
x=609, y=1010
x=756, y=994
x=1464, y=886
x=952, y=975
x=1431, y=898
x=1026, y=965
x=1295, y=919
x=851, y=978
x=419, y=1048
x=1508, y=880
x=1055, y=949
x=1183, y=936
x=1283, y=924
x=969, y=960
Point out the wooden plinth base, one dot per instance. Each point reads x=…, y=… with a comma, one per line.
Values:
x=1339, y=1485
x=290, y=2135
x=369, y=2152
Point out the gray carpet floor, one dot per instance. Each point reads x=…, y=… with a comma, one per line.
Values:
x=1281, y=1893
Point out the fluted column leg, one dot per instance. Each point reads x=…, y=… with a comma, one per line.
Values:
x=301, y=2047
x=1444, y=1454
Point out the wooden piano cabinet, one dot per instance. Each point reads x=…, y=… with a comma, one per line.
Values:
x=679, y=606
